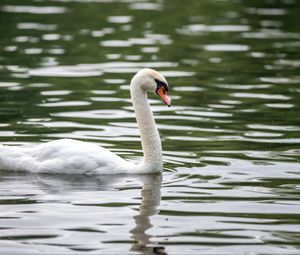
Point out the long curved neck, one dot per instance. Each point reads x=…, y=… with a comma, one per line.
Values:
x=151, y=143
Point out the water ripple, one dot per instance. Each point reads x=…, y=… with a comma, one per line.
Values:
x=226, y=47
x=89, y=70
x=230, y=139
x=198, y=29
x=34, y=9
x=261, y=96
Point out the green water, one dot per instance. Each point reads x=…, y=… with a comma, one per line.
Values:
x=231, y=139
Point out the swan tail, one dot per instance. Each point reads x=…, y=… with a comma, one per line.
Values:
x=9, y=158
x=1, y=156
x=2, y=148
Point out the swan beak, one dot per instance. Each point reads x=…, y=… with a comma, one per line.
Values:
x=161, y=92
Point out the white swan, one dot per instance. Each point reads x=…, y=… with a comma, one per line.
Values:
x=77, y=157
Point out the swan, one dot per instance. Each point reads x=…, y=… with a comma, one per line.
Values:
x=70, y=156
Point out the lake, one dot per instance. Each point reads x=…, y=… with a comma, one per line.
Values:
x=231, y=140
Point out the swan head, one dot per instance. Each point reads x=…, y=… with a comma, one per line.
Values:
x=152, y=81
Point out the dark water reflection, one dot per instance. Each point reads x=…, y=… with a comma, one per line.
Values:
x=231, y=139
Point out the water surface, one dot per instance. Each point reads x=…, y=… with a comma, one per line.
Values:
x=231, y=175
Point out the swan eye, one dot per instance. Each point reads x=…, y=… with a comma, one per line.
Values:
x=161, y=84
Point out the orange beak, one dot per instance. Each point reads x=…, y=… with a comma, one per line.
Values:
x=163, y=95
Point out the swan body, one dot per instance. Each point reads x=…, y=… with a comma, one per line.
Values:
x=63, y=156
x=70, y=156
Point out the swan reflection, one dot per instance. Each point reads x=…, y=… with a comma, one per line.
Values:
x=151, y=197
x=79, y=196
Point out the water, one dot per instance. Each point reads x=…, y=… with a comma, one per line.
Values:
x=231, y=139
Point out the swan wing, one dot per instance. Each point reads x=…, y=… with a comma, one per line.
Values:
x=60, y=156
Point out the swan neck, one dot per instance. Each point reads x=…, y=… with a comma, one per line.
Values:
x=150, y=139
